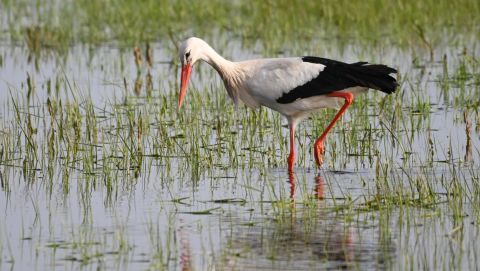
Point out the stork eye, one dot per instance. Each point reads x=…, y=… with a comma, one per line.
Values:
x=187, y=54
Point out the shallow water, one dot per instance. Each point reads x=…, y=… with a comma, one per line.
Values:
x=403, y=195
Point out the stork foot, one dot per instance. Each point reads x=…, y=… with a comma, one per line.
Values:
x=318, y=151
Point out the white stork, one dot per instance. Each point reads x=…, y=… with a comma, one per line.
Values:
x=295, y=87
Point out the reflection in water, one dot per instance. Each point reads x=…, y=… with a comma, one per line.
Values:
x=293, y=186
x=468, y=131
x=338, y=245
x=138, y=85
x=319, y=187
x=312, y=236
x=137, y=89
x=137, y=53
x=149, y=86
x=149, y=55
x=185, y=253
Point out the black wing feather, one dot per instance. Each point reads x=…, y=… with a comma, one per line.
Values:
x=339, y=75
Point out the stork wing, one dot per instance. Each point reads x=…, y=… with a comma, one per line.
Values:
x=338, y=75
x=270, y=78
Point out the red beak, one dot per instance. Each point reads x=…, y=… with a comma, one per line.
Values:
x=186, y=70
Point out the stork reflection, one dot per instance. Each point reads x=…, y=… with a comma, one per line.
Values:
x=185, y=253
x=333, y=240
x=318, y=190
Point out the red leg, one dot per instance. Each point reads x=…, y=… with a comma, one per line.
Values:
x=291, y=157
x=319, y=149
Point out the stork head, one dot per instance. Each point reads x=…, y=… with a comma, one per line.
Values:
x=191, y=50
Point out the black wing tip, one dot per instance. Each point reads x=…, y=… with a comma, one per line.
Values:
x=391, y=89
x=381, y=68
x=383, y=75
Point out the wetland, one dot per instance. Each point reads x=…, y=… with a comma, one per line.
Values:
x=100, y=171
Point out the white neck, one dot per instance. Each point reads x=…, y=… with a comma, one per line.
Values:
x=223, y=66
x=230, y=72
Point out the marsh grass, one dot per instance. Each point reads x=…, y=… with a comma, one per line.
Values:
x=58, y=24
x=74, y=133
